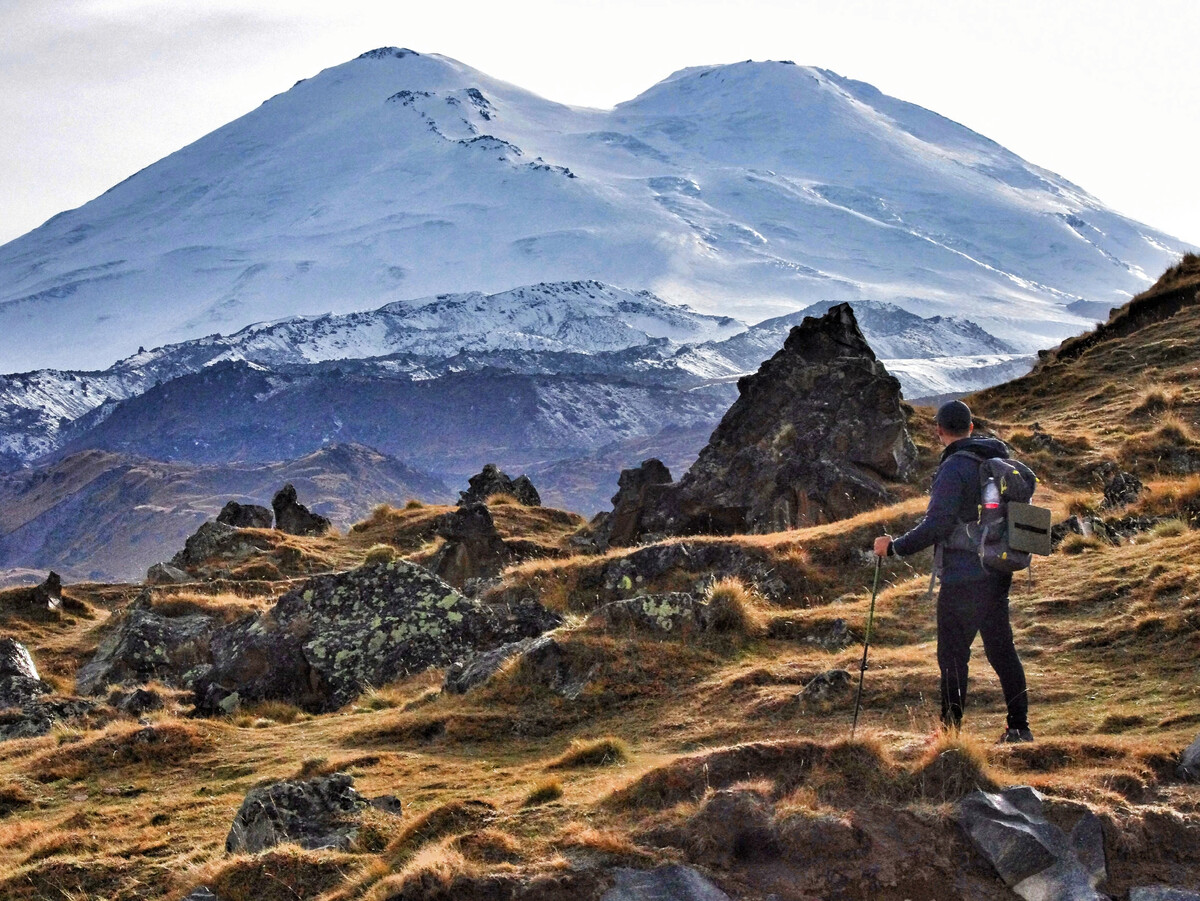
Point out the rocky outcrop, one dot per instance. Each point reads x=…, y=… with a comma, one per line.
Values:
x=463, y=675
x=814, y=436
x=623, y=526
x=491, y=481
x=245, y=516
x=217, y=542
x=325, y=642
x=676, y=614
x=166, y=574
x=48, y=595
x=293, y=517
x=1035, y=858
x=145, y=645
x=319, y=813
x=473, y=548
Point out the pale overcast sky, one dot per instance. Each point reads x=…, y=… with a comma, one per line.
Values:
x=1105, y=93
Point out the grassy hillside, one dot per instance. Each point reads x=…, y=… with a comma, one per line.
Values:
x=696, y=747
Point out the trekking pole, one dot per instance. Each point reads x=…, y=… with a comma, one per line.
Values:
x=862, y=670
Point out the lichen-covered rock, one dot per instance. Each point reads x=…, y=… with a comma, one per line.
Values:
x=491, y=481
x=814, y=436
x=319, y=813
x=473, y=548
x=145, y=645
x=293, y=517
x=675, y=613
x=245, y=516
x=325, y=642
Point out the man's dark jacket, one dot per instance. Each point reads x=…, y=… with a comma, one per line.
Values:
x=954, y=499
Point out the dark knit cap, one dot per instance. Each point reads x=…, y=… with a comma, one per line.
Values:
x=954, y=417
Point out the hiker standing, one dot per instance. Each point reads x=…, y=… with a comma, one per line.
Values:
x=972, y=599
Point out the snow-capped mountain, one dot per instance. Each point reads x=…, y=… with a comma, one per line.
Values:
x=747, y=190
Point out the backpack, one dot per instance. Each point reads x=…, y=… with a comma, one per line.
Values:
x=1009, y=529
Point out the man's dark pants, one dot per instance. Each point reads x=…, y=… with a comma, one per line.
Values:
x=964, y=609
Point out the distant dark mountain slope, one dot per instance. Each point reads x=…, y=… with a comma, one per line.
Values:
x=99, y=515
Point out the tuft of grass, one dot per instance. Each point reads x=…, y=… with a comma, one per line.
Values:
x=543, y=793
x=1078, y=544
x=412, y=504
x=502, y=499
x=954, y=766
x=607, y=751
x=379, y=553
x=734, y=608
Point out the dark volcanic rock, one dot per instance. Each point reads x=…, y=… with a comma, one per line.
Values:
x=492, y=481
x=49, y=593
x=319, y=813
x=813, y=437
x=293, y=517
x=624, y=525
x=145, y=645
x=473, y=548
x=325, y=642
x=245, y=516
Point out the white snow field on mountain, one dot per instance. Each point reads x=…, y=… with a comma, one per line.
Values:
x=746, y=191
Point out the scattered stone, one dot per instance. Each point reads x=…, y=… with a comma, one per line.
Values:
x=145, y=645
x=491, y=481
x=623, y=526
x=293, y=517
x=318, y=813
x=245, y=516
x=813, y=437
x=137, y=703
x=668, y=883
x=826, y=687
x=546, y=662
x=473, y=548
x=48, y=595
x=323, y=643
x=1035, y=858
x=462, y=676
x=166, y=574
x=388, y=804
x=1189, y=762
x=1122, y=489
x=676, y=613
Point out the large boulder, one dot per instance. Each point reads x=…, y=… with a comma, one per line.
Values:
x=473, y=548
x=323, y=643
x=1035, y=858
x=217, y=542
x=491, y=481
x=144, y=645
x=20, y=684
x=815, y=435
x=245, y=516
x=293, y=517
x=318, y=813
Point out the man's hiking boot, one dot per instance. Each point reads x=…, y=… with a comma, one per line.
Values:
x=1015, y=737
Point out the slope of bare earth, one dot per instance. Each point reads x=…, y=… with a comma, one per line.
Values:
x=695, y=747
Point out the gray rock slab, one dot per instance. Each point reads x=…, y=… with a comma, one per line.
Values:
x=669, y=883
x=1035, y=858
x=1162, y=893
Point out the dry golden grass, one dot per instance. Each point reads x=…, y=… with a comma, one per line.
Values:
x=607, y=751
x=543, y=793
x=734, y=609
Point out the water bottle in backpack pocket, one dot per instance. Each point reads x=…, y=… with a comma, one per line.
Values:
x=1009, y=529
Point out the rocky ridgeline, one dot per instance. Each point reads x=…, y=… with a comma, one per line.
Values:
x=815, y=435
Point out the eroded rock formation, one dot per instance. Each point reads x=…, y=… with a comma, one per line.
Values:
x=814, y=436
x=293, y=517
x=491, y=482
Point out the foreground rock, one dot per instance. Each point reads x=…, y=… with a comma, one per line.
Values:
x=814, y=436
x=1189, y=762
x=491, y=482
x=325, y=642
x=1035, y=858
x=319, y=813
x=293, y=517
